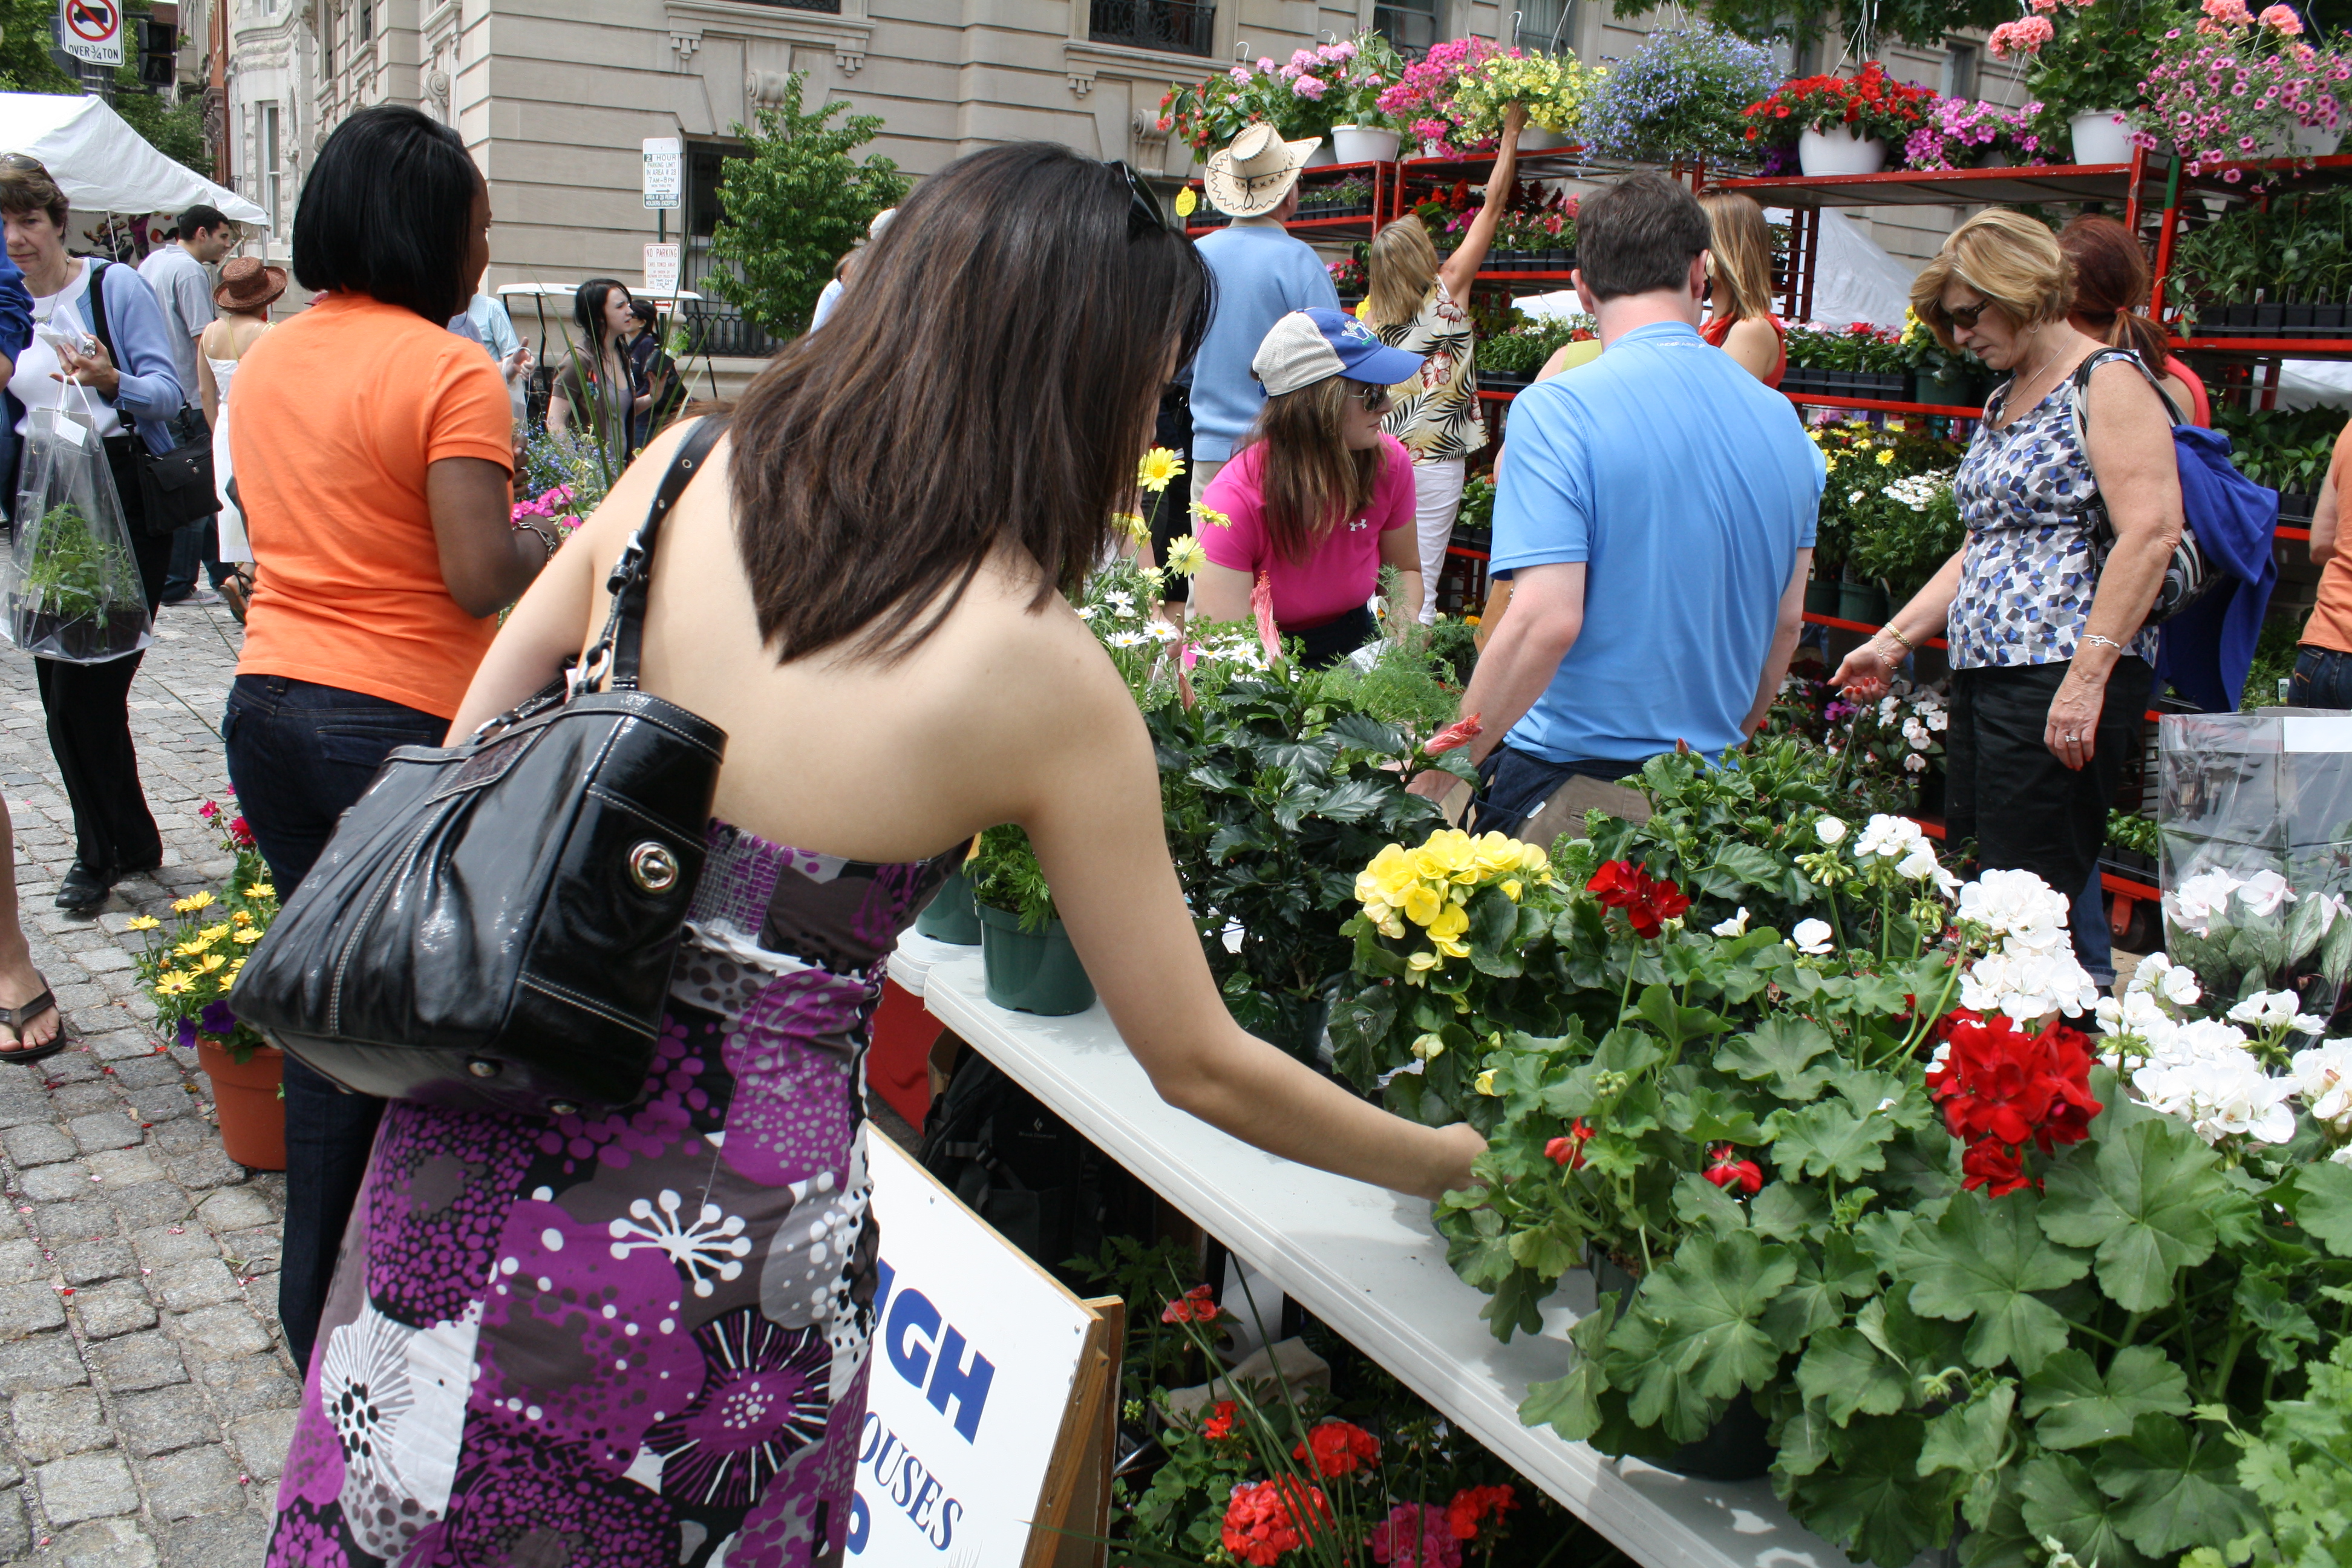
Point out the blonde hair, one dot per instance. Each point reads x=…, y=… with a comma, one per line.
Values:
x=1402, y=270
x=2009, y=259
x=1740, y=247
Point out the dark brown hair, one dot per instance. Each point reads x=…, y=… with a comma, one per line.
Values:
x=1311, y=480
x=991, y=382
x=2110, y=276
x=1639, y=234
x=26, y=187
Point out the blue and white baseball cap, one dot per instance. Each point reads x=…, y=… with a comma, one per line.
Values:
x=1308, y=346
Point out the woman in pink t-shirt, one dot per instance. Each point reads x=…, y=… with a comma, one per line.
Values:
x=1316, y=500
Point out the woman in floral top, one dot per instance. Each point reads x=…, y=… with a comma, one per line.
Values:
x=2051, y=658
x=1417, y=303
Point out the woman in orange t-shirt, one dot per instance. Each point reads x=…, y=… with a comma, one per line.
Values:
x=373, y=451
x=2323, y=663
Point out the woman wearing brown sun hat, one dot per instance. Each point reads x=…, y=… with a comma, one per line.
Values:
x=247, y=288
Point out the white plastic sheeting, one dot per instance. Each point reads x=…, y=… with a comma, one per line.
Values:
x=1855, y=279
x=103, y=165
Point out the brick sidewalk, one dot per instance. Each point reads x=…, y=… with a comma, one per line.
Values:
x=150, y=1399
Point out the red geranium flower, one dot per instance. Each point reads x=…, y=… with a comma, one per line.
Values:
x=1995, y=1169
x=1220, y=1423
x=1262, y=1519
x=1570, y=1150
x=2001, y=1089
x=1341, y=1448
x=1726, y=1173
x=1472, y=1504
x=1648, y=901
x=1194, y=1306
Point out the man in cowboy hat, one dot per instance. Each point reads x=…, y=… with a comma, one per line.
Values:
x=1262, y=274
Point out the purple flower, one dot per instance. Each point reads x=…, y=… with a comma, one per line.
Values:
x=187, y=1033
x=218, y=1020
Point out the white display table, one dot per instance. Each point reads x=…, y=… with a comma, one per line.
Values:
x=1368, y=1263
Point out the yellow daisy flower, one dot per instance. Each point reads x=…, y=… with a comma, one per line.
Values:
x=172, y=983
x=193, y=902
x=1160, y=467
x=1185, y=555
x=1215, y=519
x=248, y=937
x=145, y=922
x=193, y=949
x=209, y=963
x=1886, y=457
x=213, y=934
x=242, y=917
x=261, y=891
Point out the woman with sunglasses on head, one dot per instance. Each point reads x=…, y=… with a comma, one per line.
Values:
x=2052, y=661
x=868, y=551
x=1317, y=499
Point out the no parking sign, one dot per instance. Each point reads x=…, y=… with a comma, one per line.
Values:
x=91, y=30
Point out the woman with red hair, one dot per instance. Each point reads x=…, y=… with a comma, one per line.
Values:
x=2110, y=276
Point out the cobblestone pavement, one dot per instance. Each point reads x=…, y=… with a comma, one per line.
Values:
x=150, y=1397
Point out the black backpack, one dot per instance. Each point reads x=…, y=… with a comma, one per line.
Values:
x=1026, y=1172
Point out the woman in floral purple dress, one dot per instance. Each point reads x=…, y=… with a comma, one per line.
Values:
x=641, y=1341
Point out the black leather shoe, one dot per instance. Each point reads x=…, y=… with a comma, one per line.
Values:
x=83, y=889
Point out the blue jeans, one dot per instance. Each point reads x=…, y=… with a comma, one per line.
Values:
x=298, y=755
x=2322, y=678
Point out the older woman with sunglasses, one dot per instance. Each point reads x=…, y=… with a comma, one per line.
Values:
x=2051, y=658
x=1316, y=500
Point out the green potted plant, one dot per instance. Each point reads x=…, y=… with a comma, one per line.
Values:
x=1552, y=88
x=1025, y=949
x=951, y=917
x=1679, y=98
x=1838, y=125
x=1941, y=377
x=2086, y=61
x=1363, y=68
x=189, y=970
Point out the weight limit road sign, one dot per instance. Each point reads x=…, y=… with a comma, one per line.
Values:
x=91, y=30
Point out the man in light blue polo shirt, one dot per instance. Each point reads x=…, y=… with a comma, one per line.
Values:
x=1655, y=516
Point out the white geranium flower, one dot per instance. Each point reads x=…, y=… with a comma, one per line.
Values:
x=2264, y=891
x=2264, y=1010
x=1921, y=866
x=1831, y=830
x=2220, y=1094
x=1811, y=936
x=1735, y=926
x=1886, y=835
x=2310, y=1024
x=2179, y=987
x=2342, y=1156
x=2017, y=906
x=1914, y=762
x=2193, y=904
x=2323, y=1077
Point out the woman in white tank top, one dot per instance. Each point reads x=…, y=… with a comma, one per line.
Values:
x=246, y=290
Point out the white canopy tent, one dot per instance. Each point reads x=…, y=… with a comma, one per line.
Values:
x=103, y=165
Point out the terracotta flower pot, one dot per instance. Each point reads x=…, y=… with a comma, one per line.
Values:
x=252, y=1113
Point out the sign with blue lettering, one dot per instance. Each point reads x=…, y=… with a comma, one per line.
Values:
x=977, y=1356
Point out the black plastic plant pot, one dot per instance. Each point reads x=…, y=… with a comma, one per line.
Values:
x=1888, y=385
x=82, y=638
x=2297, y=505
x=2269, y=321
x=2294, y=320
x=1737, y=1447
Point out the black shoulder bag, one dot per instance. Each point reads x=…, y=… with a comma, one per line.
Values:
x=493, y=925
x=176, y=488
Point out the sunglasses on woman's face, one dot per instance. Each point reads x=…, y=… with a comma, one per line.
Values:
x=1376, y=399
x=1965, y=315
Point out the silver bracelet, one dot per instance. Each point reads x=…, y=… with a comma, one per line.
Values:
x=2108, y=642
x=548, y=538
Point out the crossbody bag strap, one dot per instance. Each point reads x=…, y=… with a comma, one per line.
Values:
x=624, y=635
x=2079, y=398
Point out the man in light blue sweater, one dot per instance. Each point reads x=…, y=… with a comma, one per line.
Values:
x=1262, y=274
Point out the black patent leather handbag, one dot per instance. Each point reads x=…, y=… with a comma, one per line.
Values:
x=492, y=925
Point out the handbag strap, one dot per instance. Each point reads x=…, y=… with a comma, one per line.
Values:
x=617, y=648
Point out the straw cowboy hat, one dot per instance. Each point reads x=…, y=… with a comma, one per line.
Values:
x=246, y=284
x=1251, y=177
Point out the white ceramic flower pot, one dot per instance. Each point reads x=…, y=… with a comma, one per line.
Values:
x=1840, y=151
x=1433, y=149
x=2316, y=142
x=2100, y=137
x=1534, y=138
x=1364, y=145
x=1322, y=157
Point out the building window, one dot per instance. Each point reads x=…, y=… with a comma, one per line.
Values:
x=1177, y=26
x=1960, y=72
x=367, y=21
x=712, y=325
x=1548, y=26
x=271, y=164
x=1410, y=25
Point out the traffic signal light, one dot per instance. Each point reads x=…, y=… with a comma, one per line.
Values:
x=159, y=42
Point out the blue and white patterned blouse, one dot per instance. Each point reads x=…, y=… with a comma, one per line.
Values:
x=2026, y=577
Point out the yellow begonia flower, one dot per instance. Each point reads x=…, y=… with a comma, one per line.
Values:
x=193, y=902
x=1511, y=889
x=1450, y=923
x=261, y=891
x=248, y=937
x=1421, y=905
x=1422, y=961
x=145, y=922
x=1392, y=928
x=172, y=983
x=1158, y=468
x=1485, y=1082
x=1452, y=949
x=1185, y=556
x=1427, y=1047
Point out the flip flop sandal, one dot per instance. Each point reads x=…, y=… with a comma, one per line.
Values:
x=15, y=1018
x=238, y=591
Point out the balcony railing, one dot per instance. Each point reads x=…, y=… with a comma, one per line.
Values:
x=1176, y=27
x=716, y=328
